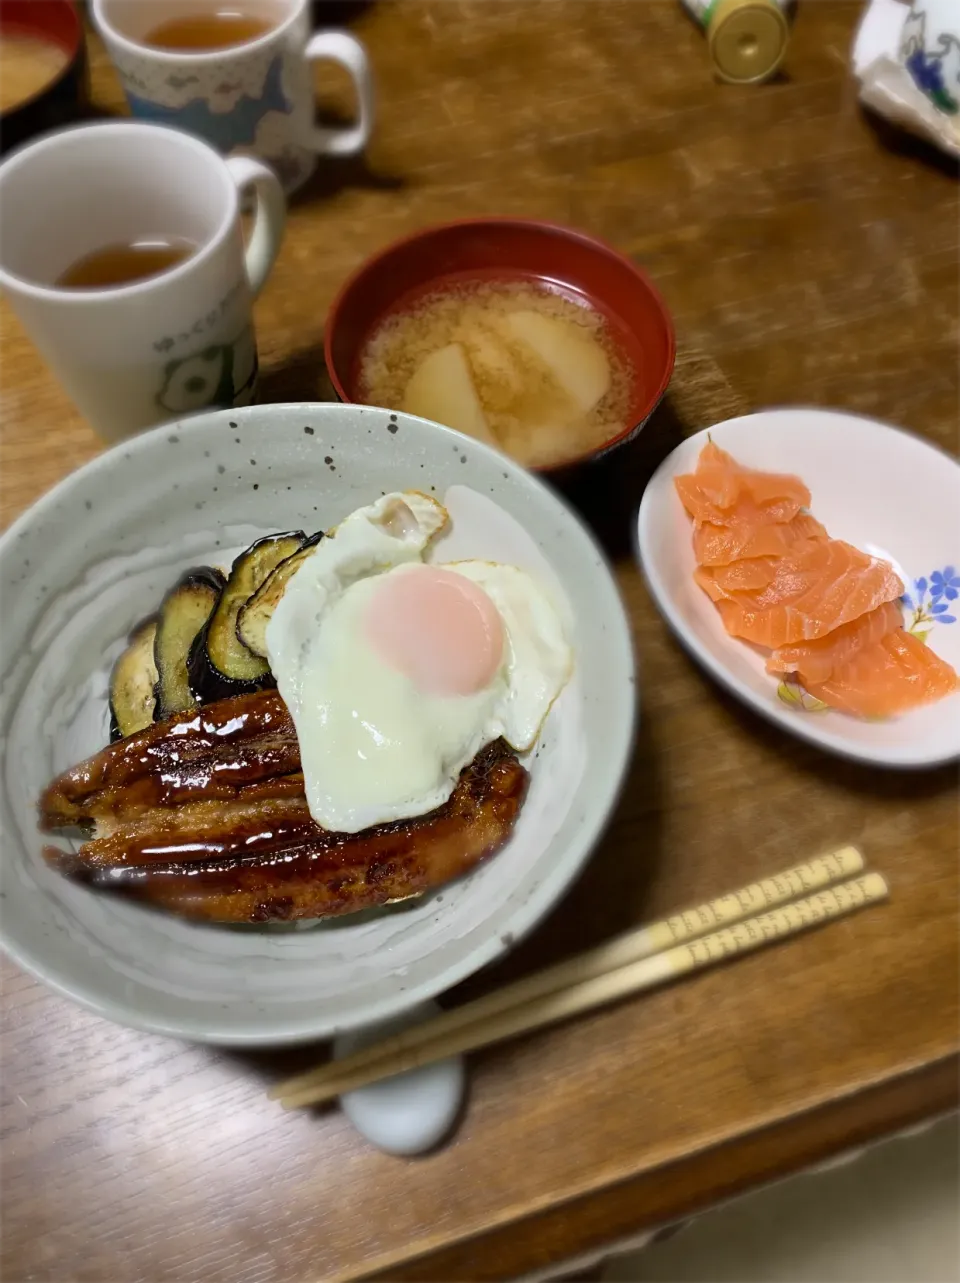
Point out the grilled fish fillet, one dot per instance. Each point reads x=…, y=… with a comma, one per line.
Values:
x=240, y=747
x=205, y=815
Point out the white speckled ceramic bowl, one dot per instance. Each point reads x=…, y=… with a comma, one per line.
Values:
x=885, y=491
x=96, y=554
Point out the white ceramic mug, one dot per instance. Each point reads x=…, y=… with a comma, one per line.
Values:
x=930, y=51
x=254, y=98
x=155, y=349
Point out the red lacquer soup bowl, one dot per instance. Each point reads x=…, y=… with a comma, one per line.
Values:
x=489, y=249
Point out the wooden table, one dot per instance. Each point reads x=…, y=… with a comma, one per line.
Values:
x=808, y=257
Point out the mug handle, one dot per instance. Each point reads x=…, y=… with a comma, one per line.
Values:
x=346, y=50
x=269, y=219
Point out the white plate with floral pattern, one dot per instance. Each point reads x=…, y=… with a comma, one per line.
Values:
x=883, y=490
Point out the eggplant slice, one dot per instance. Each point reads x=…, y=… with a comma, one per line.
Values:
x=184, y=612
x=258, y=610
x=220, y=664
x=132, y=682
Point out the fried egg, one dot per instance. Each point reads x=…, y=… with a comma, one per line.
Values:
x=397, y=672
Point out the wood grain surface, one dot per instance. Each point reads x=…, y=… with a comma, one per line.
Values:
x=809, y=256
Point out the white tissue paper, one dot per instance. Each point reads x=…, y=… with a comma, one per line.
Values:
x=885, y=84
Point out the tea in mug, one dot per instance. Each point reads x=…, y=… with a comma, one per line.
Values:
x=210, y=28
x=124, y=263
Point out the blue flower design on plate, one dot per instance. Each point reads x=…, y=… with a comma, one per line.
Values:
x=929, y=602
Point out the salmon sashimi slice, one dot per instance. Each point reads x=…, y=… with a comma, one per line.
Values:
x=723, y=582
x=718, y=476
x=892, y=676
x=752, y=534
x=720, y=484
x=828, y=612
x=751, y=574
x=817, y=661
x=827, y=585
x=746, y=511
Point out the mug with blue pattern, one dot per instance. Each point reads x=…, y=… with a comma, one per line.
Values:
x=254, y=98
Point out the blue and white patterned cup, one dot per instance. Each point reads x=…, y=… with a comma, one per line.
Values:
x=254, y=98
x=930, y=51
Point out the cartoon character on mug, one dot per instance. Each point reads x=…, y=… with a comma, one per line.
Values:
x=220, y=375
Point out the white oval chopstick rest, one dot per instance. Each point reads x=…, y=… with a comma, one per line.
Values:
x=409, y=1113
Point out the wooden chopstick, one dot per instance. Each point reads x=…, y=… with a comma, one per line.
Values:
x=629, y=951
x=751, y=933
x=640, y=943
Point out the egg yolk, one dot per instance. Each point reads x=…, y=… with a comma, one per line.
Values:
x=438, y=628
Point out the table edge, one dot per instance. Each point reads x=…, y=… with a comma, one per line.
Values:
x=593, y=1223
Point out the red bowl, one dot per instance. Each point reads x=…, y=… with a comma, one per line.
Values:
x=510, y=249
x=58, y=23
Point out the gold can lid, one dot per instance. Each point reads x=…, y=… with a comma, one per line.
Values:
x=747, y=38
